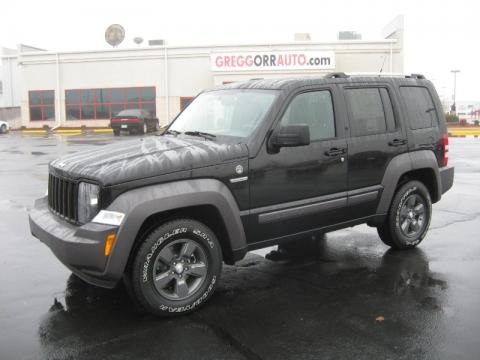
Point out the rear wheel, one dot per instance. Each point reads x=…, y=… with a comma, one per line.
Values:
x=3, y=129
x=177, y=267
x=409, y=217
x=116, y=132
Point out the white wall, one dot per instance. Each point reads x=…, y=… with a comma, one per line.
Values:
x=188, y=70
x=10, y=76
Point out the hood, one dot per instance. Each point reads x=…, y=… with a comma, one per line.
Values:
x=145, y=157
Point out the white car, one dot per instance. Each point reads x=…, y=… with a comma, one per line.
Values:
x=4, y=128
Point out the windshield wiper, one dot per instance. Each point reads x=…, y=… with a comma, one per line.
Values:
x=206, y=135
x=172, y=132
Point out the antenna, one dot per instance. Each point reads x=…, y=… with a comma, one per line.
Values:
x=381, y=69
x=115, y=34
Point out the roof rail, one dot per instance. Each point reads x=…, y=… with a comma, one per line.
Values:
x=336, y=75
x=416, y=76
x=386, y=74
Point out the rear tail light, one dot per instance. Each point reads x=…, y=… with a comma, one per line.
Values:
x=444, y=143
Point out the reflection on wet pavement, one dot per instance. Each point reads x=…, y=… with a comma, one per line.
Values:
x=260, y=302
x=343, y=296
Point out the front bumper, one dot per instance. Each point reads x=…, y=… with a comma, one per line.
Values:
x=80, y=248
x=446, y=176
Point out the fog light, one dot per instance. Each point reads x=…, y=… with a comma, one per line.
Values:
x=109, y=241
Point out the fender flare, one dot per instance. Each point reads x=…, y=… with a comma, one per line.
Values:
x=401, y=164
x=139, y=204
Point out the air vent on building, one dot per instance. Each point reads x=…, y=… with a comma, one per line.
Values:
x=349, y=35
x=156, y=42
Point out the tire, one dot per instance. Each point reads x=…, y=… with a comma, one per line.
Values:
x=3, y=129
x=116, y=132
x=409, y=217
x=183, y=282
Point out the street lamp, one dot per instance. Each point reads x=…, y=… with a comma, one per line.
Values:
x=454, y=105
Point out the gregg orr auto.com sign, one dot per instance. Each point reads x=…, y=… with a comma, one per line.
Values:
x=273, y=60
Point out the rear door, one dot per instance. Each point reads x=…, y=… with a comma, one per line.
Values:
x=374, y=138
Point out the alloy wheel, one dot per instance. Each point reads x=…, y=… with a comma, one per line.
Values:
x=412, y=216
x=180, y=269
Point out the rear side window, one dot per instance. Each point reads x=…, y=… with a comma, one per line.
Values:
x=366, y=108
x=314, y=109
x=420, y=108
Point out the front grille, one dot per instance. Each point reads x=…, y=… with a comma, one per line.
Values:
x=62, y=198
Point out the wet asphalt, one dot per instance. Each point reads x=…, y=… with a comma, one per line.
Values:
x=345, y=296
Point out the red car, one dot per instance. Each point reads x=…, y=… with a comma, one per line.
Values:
x=136, y=121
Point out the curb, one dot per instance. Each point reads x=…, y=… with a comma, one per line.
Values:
x=65, y=131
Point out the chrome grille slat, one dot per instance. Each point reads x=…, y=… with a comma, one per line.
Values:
x=62, y=197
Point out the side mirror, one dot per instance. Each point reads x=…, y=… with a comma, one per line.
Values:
x=290, y=136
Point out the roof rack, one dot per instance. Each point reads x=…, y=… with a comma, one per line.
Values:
x=337, y=75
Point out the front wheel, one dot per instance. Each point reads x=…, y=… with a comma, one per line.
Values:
x=177, y=267
x=3, y=129
x=409, y=217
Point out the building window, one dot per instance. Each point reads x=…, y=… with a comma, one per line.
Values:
x=91, y=104
x=42, y=105
x=184, y=102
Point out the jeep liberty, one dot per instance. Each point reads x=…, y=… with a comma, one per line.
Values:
x=245, y=166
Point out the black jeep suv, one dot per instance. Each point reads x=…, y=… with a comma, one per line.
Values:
x=245, y=166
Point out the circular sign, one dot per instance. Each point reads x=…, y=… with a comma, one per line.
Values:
x=115, y=34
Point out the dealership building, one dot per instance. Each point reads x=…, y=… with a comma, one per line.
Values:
x=77, y=88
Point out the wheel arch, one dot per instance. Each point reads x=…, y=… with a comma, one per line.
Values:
x=198, y=199
x=418, y=165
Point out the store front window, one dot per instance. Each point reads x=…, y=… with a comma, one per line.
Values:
x=91, y=104
x=42, y=105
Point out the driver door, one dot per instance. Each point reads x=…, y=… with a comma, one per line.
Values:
x=302, y=188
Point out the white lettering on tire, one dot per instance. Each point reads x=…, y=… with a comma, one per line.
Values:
x=193, y=305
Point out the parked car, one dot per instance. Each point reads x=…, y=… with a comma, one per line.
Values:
x=245, y=166
x=4, y=127
x=136, y=121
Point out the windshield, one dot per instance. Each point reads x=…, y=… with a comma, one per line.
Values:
x=131, y=112
x=225, y=112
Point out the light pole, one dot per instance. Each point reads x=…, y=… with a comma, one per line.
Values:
x=454, y=105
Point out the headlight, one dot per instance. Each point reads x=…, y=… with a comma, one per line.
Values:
x=87, y=201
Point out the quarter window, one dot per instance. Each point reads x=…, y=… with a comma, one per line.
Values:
x=87, y=104
x=314, y=109
x=42, y=105
x=420, y=108
x=366, y=108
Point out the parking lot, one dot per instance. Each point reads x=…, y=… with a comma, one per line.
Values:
x=346, y=297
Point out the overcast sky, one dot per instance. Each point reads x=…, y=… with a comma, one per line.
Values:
x=440, y=36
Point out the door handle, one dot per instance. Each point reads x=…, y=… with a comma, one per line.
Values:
x=397, y=142
x=335, y=151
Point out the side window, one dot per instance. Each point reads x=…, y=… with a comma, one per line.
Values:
x=314, y=109
x=387, y=107
x=420, y=108
x=366, y=108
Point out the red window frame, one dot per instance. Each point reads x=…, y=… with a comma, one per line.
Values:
x=109, y=102
x=185, y=101
x=43, y=105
